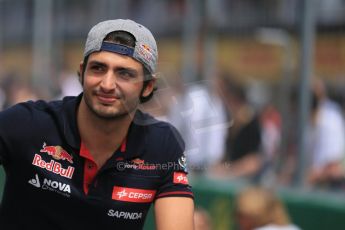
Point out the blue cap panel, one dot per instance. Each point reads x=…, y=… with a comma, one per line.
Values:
x=117, y=48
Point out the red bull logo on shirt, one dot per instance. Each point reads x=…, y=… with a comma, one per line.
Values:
x=57, y=152
x=53, y=166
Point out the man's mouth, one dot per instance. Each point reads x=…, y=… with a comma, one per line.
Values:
x=107, y=98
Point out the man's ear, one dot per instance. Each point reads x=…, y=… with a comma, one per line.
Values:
x=149, y=87
x=80, y=72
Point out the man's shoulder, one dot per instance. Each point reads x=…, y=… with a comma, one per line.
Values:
x=27, y=110
x=42, y=104
x=23, y=109
x=153, y=124
x=51, y=105
x=162, y=133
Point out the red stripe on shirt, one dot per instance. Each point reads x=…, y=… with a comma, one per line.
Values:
x=175, y=193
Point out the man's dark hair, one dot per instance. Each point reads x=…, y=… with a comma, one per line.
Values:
x=127, y=39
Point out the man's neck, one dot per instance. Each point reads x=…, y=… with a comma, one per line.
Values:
x=101, y=136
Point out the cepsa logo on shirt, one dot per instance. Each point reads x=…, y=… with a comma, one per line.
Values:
x=133, y=194
x=180, y=178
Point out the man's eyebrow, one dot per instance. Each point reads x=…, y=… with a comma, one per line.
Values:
x=120, y=68
x=96, y=63
x=134, y=71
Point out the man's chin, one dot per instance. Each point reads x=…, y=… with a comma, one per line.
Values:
x=109, y=112
x=111, y=115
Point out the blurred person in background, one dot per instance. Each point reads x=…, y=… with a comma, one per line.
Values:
x=202, y=219
x=16, y=90
x=2, y=98
x=69, y=85
x=21, y=92
x=287, y=169
x=243, y=140
x=326, y=140
x=199, y=114
x=257, y=208
x=271, y=127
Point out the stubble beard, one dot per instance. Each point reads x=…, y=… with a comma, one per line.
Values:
x=110, y=115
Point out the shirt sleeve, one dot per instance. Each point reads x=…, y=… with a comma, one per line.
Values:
x=12, y=123
x=175, y=181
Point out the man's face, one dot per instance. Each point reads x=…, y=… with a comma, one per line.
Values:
x=112, y=84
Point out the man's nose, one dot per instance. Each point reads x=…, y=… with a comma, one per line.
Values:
x=109, y=81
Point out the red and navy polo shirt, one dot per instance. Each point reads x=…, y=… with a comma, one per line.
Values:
x=52, y=181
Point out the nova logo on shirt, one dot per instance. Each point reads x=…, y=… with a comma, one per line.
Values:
x=51, y=185
x=133, y=194
x=180, y=178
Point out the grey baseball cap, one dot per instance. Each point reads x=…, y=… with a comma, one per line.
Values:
x=145, y=50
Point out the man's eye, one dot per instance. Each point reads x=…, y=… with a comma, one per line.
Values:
x=126, y=74
x=97, y=68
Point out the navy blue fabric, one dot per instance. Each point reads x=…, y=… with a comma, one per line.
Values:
x=117, y=48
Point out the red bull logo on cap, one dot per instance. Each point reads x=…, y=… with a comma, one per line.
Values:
x=57, y=152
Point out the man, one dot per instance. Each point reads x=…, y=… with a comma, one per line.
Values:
x=96, y=161
x=326, y=140
x=259, y=208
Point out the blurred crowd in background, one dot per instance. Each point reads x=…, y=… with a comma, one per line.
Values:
x=229, y=78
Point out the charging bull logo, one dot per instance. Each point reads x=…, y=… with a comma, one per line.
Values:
x=146, y=47
x=57, y=152
x=138, y=161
